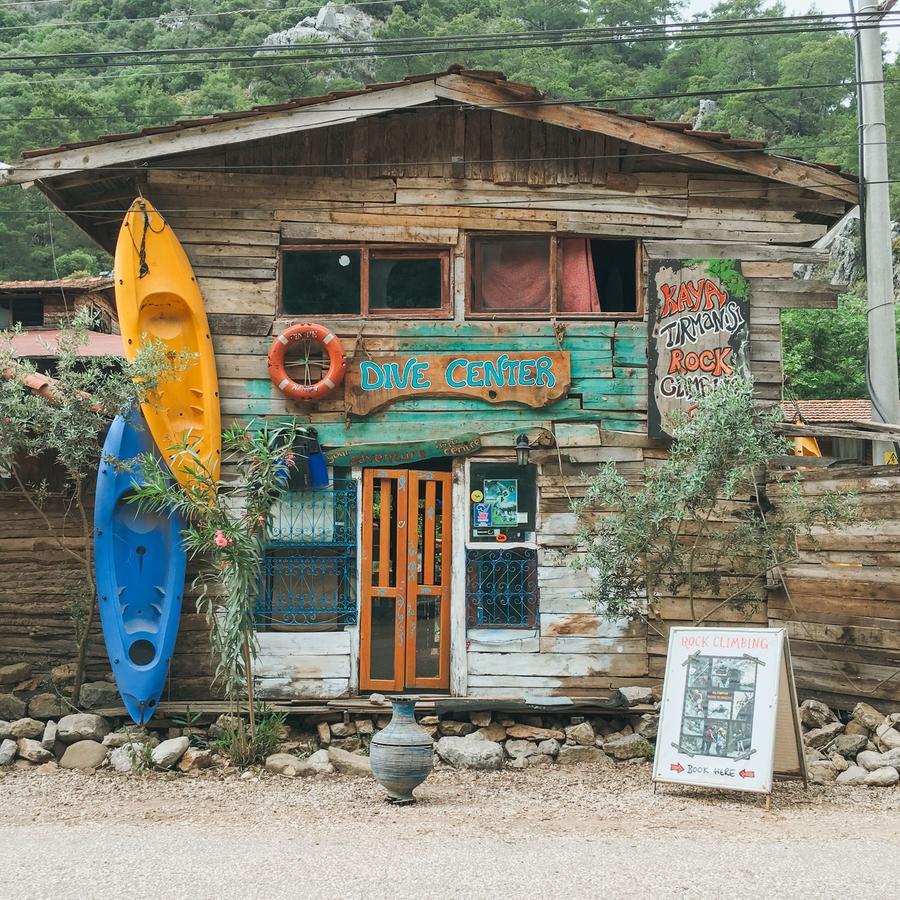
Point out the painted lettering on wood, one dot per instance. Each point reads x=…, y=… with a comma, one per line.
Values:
x=533, y=379
x=400, y=454
x=698, y=333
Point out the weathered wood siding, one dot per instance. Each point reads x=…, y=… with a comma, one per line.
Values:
x=842, y=603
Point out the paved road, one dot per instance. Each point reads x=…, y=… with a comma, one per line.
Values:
x=511, y=834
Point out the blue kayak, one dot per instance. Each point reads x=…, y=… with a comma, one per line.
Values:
x=140, y=564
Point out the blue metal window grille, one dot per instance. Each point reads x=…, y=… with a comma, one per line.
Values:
x=502, y=588
x=308, y=577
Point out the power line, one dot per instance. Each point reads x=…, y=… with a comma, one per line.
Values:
x=428, y=45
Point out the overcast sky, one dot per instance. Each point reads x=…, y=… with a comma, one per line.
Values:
x=799, y=7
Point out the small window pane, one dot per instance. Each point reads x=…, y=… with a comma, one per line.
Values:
x=320, y=282
x=615, y=264
x=511, y=274
x=405, y=283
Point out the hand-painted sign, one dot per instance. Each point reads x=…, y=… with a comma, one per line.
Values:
x=366, y=455
x=698, y=333
x=535, y=379
x=729, y=710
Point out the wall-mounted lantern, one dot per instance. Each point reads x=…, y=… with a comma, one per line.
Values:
x=522, y=449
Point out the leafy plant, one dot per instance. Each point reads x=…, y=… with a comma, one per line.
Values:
x=61, y=421
x=141, y=759
x=226, y=525
x=698, y=524
x=248, y=743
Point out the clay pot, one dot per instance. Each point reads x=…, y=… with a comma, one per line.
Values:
x=402, y=753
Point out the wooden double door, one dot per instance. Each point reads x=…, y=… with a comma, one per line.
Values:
x=405, y=580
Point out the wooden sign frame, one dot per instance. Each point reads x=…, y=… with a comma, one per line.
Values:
x=728, y=717
x=533, y=379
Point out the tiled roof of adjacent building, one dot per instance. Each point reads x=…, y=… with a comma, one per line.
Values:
x=827, y=411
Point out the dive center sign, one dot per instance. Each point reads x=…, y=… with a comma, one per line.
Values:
x=698, y=333
x=534, y=379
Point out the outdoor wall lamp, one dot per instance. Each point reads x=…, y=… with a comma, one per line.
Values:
x=522, y=449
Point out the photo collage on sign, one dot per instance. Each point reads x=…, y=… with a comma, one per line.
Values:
x=717, y=718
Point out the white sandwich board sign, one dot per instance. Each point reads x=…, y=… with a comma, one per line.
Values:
x=728, y=717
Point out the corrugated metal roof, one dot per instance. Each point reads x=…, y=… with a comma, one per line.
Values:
x=828, y=411
x=44, y=344
x=525, y=91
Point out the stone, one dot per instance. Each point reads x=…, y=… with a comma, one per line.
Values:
x=82, y=727
x=648, y=726
x=853, y=727
x=819, y=737
x=550, y=747
x=349, y=763
x=342, y=729
x=815, y=714
x=195, y=759
x=384, y=721
x=516, y=748
x=627, y=729
x=96, y=694
x=83, y=755
x=891, y=757
x=581, y=734
x=124, y=759
x=635, y=696
x=317, y=764
x=429, y=720
x=528, y=762
x=48, y=738
x=14, y=673
x=377, y=699
x=350, y=744
x=283, y=764
x=48, y=768
x=451, y=728
x=533, y=733
x=11, y=707
x=365, y=726
x=32, y=750
x=7, y=751
x=839, y=762
x=323, y=730
x=47, y=706
x=131, y=735
x=480, y=718
x=888, y=738
x=506, y=722
x=5, y=733
x=883, y=777
x=812, y=754
x=167, y=753
x=493, y=732
x=870, y=761
x=465, y=754
x=821, y=771
x=26, y=728
x=853, y=776
x=867, y=716
x=628, y=746
x=64, y=673
x=575, y=755
x=849, y=745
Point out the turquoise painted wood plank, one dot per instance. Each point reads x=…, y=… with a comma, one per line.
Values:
x=492, y=329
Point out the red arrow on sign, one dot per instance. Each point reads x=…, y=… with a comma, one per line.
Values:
x=677, y=767
x=746, y=773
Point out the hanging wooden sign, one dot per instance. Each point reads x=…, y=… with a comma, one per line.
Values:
x=533, y=379
x=698, y=333
x=728, y=717
x=366, y=455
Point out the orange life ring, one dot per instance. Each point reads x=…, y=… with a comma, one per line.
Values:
x=328, y=383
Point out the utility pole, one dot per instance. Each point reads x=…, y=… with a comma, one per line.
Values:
x=881, y=365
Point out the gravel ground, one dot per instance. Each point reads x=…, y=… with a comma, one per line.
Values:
x=535, y=833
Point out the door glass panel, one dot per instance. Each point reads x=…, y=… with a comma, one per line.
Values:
x=384, y=533
x=428, y=637
x=381, y=663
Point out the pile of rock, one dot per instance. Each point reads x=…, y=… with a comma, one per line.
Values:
x=862, y=751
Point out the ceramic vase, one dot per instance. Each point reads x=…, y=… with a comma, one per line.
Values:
x=402, y=753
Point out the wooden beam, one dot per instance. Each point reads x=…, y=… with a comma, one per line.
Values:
x=236, y=131
x=831, y=431
x=461, y=89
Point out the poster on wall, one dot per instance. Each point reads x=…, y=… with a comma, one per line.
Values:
x=502, y=495
x=728, y=717
x=698, y=333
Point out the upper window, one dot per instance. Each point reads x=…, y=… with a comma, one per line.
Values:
x=552, y=275
x=361, y=280
x=25, y=311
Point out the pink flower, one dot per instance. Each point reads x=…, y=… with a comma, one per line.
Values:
x=289, y=458
x=220, y=539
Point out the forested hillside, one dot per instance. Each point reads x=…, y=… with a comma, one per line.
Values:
x=65, y=75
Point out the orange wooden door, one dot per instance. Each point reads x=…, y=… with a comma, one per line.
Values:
x=405, y=554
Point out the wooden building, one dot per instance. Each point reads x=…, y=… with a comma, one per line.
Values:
x=496, y=267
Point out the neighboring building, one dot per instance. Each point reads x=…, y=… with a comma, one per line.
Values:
x=840, y=414
x=496, y=267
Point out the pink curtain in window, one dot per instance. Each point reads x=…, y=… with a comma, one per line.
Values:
x=514, y=274
x=578, y=286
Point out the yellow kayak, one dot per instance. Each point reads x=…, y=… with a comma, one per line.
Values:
x=157, y=297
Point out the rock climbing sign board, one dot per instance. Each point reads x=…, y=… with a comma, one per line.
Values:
x=728, y=717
